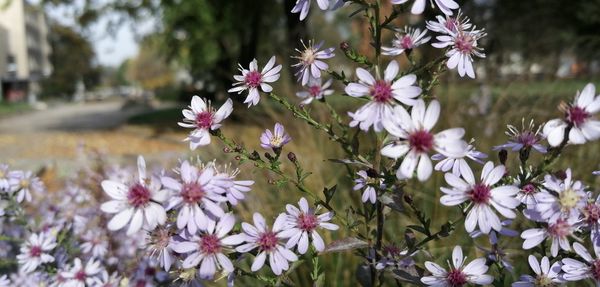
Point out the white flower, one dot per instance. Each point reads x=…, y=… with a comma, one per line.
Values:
x=139, y=203
x=5, y=185
x=576, y=270
x=303, y=6
x=571, y=198
x=545, y=275
x=310, y=64
x=382, y=94
x=24, y=182
x=483, y=196
x=579, y=116
x=203, y=118
x=463, y=46
x=412, y=139
x=303, y=223
x=407, y=39
x=35, y=251
x=94, y=242
x=268, y=243
x=315, y=91
x=252, y=80
x=81, y=276
x=473, y=273
x=449, y=24
x=446, y=6
x=197, y=197
x=209, y=248
x=365, y=181
x=106, y=280
x=158, y=245
x=458, y=163
x=591, y=219
x=559, y=232
x=4, y=281
x=526, y=138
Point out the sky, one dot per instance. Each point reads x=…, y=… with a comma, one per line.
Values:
x=111, y=49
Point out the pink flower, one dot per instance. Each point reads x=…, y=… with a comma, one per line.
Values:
x=408, y=39
x=449, y=24
x=36, y=251
x=458, y=275
x=252, y=80
x=580, y=116
x=413, y=140
x=276, y=139
x=196, y=197
x=367, y=182
x=209, y=248
x=315, y=91
x=203, y=118
x=382, y=94
x=268, y=243
x=79, y=275
x=446, y=6
x=559, y=232
x=525, y=138
x=463, y=47
x=137, y=203
x=303, y=223
x=310, y=64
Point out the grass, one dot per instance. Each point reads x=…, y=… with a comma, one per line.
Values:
x=483, y=112
x=12, y=108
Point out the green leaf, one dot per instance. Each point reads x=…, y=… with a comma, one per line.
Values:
x=345, y=244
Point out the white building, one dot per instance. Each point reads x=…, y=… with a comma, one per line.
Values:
x=24, y=50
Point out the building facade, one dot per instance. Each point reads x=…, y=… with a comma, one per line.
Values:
x=24, y=50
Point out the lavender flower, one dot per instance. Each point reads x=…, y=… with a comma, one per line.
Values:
x=276, y=139
x=303, y=6
x=407, y=39
x=203, y=118
x=315, y=90
x=310, y=64
x=251, y=79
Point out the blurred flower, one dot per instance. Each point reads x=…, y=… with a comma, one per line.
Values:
x=527, y=137
x=482, y=196
x=412, y=139
x=449, y=24
x=268, y=244
x=5, y=185
x=106, y=280
x=315, y=91
x=310, y=64
x=565, y=199
x=23, y=183
x=4, y=281
x=35, y=252
x=203, y=118
x=383, y=94
x=195, y=196
x=580, y=116
x=208, y=249
x=458, y=163
x=446, y=6
x=94, y=242
x=158, y=246
x=303, y=6
x=234, y=189
x=408, y=39
x=276, y=139
x=253, y=79
x=576, y=270
x=559, y=232
x=545, y=275
x=81, y=276
x=137, y=203
x=303, y=223
x=473, y=273
x=365, y=181
x=463, y=46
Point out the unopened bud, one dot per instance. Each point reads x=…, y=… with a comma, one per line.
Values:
x=344, y=46
x=226, y=150
x=408, y=199
x=372, y=173
x=292, y=157
x=271, y=181
x=254, y=155
x=561, y=174
x=237, y=157
x=269, y=156
x=503, y=156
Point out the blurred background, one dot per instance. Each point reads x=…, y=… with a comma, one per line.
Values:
x=110, y=78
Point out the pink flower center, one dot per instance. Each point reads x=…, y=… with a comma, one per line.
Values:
x=452, y=24
x=204, y=120
x=577, y=116
x=267, y=241
x=527, y=138
x=253, y=79
x=307, y=222
x=35, y=251
x=138, y=195
x=192, y=192
x=381, y=91
x=559, y=229
x=406, y=42
x=464, y=43
x=596, y=269
x=80, y=275
x=314, y=91
x=480, y=194
x=456, y=278
x=421, y=141
x=528, y=189
x=210, y=244
x=592, y=213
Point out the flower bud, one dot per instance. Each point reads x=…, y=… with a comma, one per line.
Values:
x=503, y=156
x=408, y=199
x=292, y=157
x=344, y=46
x=226, y=150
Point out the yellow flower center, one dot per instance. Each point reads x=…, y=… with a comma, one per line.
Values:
x=569, y=199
